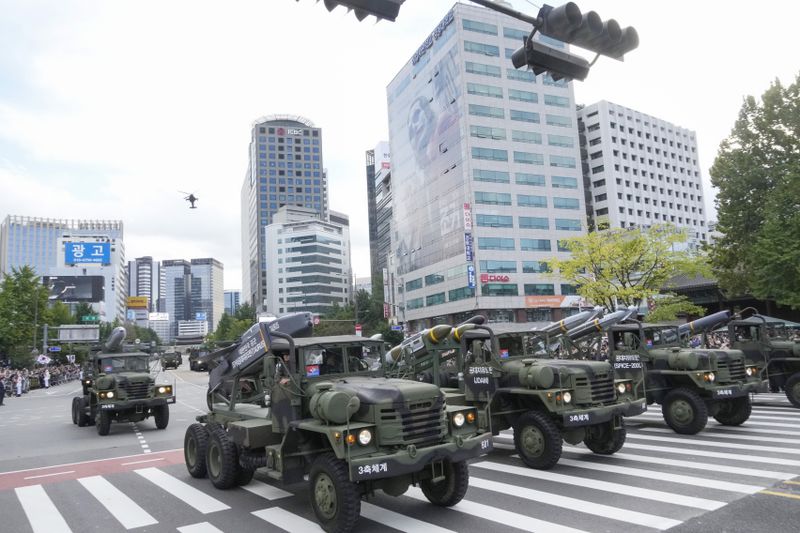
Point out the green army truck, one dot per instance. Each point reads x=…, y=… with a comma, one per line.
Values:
x=320, y=408
x=118, y=387
x=504, y=372
x=689, y=383
x=768, y=345
x=171, y=359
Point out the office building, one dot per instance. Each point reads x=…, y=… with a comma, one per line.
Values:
x=285, y=169
x=178, y=284
x=208, y=293
x=485, y=177
x=640, y=170
x=308, y=267
x=232, y=301
x=379, y=205
x=146, y=279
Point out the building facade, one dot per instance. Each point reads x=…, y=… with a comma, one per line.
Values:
x=232, y=299
x=285, y=169
x=146, y=278
x=640, y=170
x=208, y=293
x=308, y=268
x=379, y=205
x=178, y=288
x=486, y=177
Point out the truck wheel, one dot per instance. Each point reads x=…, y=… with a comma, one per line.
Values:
x=83, y=418
x=222, y=462
x=792, y=388
x=451, y=489
x=684, y=411
x=537, y=440
x=103, y=423
x=335, y=499
x=195, y=447
x=734, y=412
x=244, y=476
x=161, y=414
x=75, y=412
x=603, y=439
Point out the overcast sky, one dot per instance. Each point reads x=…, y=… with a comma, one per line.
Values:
x=109, y=108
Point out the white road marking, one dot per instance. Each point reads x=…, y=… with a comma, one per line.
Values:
x=743, y=458
x=40, y=510
x=125, y=510
x=183, y=491
x=202, y=527
x=287, y=521
x=714, y=435
x=702, y=442
x=53, y=474
x=143, y=461
x=266, y=491
x=399, y=521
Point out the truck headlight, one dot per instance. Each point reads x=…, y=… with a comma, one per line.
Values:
x=110, y=394
x=621, y=388
x=364, y=437
x=709, y=376
x=751, y=371
x=459, y=419
x=164, y=389
x=567, y=397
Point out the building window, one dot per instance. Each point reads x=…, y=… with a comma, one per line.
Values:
x=557, y=101
x=524, y=116
x=479, y=27
x=568, y=289
x=495, y=243
x=561, y=141
x=561, y=161
x=523, y=178
x=498, y=267
x=495, y=221
x=521, y=75
x=415, y=303
x=513, y=33
x=485, y=132
x=528, y=158
x=481, y=48
x=533, y=223
x=483, y=70
x=486, y=111
x=558, y=120
x=529, y=200
x=523, y=96
x=499, y=289
x=481, y=89
x=493, y=176
x=492, y=198
x=530, y=137
x=539, y=289
x=539, y=315
x=414, y=284
x=566, y=203
x=568, y=224
x=534, y=245
x=460, y=294
x=434, y=299
x=535, y=267
x=489, y=154
x=563, y=182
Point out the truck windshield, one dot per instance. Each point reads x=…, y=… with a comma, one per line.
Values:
x=110, y=365
x=330, y=359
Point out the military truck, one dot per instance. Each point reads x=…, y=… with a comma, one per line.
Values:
x=171, y=359
x=503, y=372
x=321, y=409
x=689, y=383
x=768, y=345
x=118, y=387
x=198, y=359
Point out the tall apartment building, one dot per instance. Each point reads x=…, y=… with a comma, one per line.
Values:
x=640, y=170
x=79, y=260
x=379, y=205
x=485, y=177
x=208, y=293
x=308, y=268
x=285, y=169
x=147, y=278
x=178, y=285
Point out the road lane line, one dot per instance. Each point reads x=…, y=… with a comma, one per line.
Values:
x=701, y=442
x=614, y=488
x=40, y=510
x=742, y=457
x=124, y=509
x=498, y=516
x=143, y=461
x=183, y=491
x=576, y=504
x=90, y=461
x=50, y=475
x=202, y=527
x=711, y=467
x=747, y=429
x=266, y=491
x=286, y=520
x=714, y=435
x=399, y=521
x=783, y=494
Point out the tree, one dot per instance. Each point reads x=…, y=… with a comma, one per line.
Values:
x=669, y=307
x=231, y=327
x=23, y=311
x=625, y=266
x=60, y=314
x=757, y=173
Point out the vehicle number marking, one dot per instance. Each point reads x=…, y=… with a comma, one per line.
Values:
x=373, y=469
x=724, y=392
x=107, y=406
x=583, y=417
x=486, y=444
x=480, y=380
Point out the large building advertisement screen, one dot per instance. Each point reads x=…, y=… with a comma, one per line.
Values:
x=427, y=167
x=89, y=289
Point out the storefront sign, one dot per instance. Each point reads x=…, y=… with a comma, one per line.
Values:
x=488, y=278
x=543, y=301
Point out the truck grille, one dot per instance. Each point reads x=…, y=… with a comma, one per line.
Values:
x=413, y=423
x=136, y=390
x=730, y=370
x=601, y=387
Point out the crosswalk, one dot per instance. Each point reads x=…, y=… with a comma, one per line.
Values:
x=657, y=481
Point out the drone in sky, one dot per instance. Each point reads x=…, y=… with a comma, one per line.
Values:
x=191, y=198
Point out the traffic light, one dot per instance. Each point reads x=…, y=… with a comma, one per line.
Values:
x=382, y=9
x=567, y=24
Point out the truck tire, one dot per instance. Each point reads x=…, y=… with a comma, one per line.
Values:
x=537, y=440
x=195, y=447
x=451, y=489
x=734, y=412
x=222, y=462
x=244, y=476
x=103, y=423
x=603, y=439
x=684, y=411
x=83, y=418
x=792, y=389
x=161, y=414
x=75, y=412
x=335, y=499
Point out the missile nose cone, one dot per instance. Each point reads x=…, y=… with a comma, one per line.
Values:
x=440, y=332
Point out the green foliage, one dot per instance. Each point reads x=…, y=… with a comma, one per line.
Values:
x=626, y=266
x=60, y=314
x=669, y=307
x=246, y=312
x=757, y=173
x=230, y=328
x=23, y=312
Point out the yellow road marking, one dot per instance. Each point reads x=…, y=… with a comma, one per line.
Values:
x=791, y=482
x=785, y=495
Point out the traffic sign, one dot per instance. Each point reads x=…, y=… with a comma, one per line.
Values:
x=358, y=329
x=54, y=348
x=90, y=318
x=316, y=320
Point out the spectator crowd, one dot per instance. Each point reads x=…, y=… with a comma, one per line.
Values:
x=19, y=382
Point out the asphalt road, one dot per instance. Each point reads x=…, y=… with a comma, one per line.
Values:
x=56, y=477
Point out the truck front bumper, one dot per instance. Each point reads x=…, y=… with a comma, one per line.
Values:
x=412, y=459
x=598, y=415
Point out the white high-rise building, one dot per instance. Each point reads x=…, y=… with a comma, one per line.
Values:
x=308, y=267
x=145, y=278
x=486, y=177
x=641, y=170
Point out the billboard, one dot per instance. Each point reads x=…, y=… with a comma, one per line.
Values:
x=200, y=315
x=87, y=252
x=158, y=316
x=76, y=333
x=137, y=302
x=90, y=289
